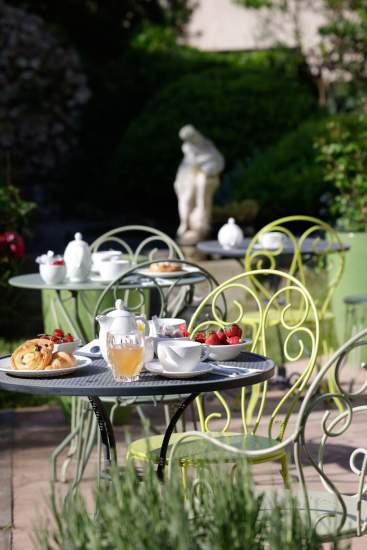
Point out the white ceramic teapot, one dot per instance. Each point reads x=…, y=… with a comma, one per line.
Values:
x=119, y=320
x=78, y=259
x=230, y=235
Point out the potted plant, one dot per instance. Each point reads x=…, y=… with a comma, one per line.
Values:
x=343, y=155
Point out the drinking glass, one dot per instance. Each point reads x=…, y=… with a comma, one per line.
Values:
x=126, y=355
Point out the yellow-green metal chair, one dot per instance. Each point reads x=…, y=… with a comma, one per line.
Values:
x=263, y=424
x=312, y=251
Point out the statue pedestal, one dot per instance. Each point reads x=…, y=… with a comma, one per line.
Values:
x=192, y=254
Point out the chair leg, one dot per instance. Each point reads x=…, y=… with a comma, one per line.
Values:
x=255, y=392
x=184, y=477
x=329, y=385
x=77, y=425
x=284, y=471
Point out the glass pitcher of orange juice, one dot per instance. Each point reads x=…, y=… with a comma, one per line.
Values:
x=126, y=354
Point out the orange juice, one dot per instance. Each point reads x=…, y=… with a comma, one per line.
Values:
x=127, y=360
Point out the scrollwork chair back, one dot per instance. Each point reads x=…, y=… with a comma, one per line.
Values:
x=152, y=243
x=301, y=342
x=325, y=253
x=335, y=514
x=172, y=296
x=347, y=512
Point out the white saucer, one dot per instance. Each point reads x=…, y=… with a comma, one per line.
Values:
x=97, y=278
x=5, y=366
x=258, y=246
x=168, y=274
x=201, y=368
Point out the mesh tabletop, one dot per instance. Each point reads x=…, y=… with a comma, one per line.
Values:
x=97, y=379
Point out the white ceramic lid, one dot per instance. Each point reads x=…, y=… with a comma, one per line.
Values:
x=120, y=310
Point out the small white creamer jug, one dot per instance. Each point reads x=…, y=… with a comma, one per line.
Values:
x=78, y=259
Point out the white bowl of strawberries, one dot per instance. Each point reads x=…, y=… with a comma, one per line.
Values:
x=62, y=341
x=224, y=345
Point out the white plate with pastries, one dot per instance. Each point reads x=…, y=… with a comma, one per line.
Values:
x=168, y=270
x=39, y=358
x=5, y=366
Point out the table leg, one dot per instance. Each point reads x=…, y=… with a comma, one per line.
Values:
x=169, y=430
x=107, y=435
x=74, y=324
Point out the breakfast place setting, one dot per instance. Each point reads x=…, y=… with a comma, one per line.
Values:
x=134, y=357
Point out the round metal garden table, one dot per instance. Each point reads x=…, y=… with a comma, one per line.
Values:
x=33, y=281
x=310, y=247
x=96, y=381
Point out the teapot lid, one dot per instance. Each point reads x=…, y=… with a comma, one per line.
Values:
x=231, y=221
x=120, y=310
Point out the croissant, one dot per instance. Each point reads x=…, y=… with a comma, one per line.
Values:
x=165, y=267
x=32, y=355
x=61, y=360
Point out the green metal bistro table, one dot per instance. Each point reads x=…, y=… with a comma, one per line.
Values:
x=96, y=381
x=71, y=304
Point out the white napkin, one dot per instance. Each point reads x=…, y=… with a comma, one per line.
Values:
x=86, y=350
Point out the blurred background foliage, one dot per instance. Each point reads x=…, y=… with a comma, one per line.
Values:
x=100, y=108
x=143, y=85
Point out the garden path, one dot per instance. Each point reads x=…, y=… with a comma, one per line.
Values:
x=29, y=435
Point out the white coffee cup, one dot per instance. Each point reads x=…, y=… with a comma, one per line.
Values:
x=172, y=324
x=181, y=355
x=52, y=274
x=271, y=239
x=103, y=255
x=112, y=268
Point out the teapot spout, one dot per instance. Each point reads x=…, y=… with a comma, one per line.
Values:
x=103, y=321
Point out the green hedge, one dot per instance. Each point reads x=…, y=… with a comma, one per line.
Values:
x=242, y=109
x=286, y=179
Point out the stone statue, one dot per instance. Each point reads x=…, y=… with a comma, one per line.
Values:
x=196, y=180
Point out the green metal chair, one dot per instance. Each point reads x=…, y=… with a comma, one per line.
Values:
x=131, y=289
x=290, y=297
x=148, y=248
x=315, y=256
x=149, y=244
x=333, y=512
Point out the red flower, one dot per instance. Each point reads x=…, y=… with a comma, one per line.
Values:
x=11, y=244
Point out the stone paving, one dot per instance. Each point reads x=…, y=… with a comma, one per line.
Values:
x=28, y=437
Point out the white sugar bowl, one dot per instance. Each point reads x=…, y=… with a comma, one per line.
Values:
x=78, y=259
x=230, y=235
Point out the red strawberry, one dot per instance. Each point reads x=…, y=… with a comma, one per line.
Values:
x=222, y=337
x=68, y=338
x=200, y=337
x=59, y=333
x=55, y=339
x=212, y=339
x=58, y=262
x=184, y=332
x=233, y=340
x=234, y=330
